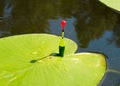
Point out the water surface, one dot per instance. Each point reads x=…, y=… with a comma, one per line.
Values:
x=91, y=24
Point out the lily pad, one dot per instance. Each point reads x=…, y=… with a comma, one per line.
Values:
x=16, y=68
x=115, y=4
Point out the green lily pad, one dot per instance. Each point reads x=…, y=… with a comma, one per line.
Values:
x=16, y=68
x=115, y=4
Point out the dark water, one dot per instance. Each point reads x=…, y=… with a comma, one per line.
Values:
x=92, y=25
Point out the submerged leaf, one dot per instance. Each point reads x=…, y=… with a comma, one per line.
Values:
x=25, y=60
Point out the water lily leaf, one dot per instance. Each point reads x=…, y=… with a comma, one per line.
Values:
x=16, y=68
x=115, y=4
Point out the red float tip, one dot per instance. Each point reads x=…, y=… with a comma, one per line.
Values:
x=63, y=23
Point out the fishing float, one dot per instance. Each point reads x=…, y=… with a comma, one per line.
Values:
x=62, y=42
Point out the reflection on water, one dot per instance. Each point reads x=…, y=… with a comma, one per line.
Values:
x=93, y=26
